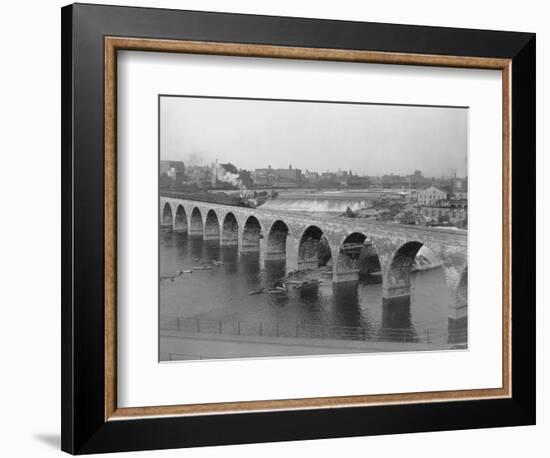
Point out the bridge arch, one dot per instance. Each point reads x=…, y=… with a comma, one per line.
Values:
x=167, y=219
x=397, y=278
x=313, y=249
x=252, y=233
x=180, y=221
x=397, y=281
x=276, y=241
x=230, y=230
x=195, y=224
x=357, y=257
x=211, y=226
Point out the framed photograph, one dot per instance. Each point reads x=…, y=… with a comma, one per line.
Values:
x=281, y=228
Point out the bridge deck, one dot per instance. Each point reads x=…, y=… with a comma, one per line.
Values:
x=442, y=235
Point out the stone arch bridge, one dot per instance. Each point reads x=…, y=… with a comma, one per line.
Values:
x=309, y=241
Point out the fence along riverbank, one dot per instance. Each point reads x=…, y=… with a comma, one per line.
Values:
x=456, y=337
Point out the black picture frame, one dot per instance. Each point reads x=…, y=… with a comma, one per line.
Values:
x=84, y=428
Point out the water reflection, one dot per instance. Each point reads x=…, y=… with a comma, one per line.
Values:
x=346, y=298
x=396, y=313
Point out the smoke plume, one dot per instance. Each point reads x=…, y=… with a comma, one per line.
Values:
x=228, y=177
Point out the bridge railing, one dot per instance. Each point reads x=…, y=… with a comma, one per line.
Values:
x=434, y=337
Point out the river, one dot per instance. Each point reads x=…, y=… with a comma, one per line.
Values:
x=218, y=299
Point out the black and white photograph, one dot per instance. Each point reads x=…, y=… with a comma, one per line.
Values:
x=302, y=227
x=275, y=229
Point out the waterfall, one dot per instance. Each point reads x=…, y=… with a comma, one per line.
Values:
x=317, y=204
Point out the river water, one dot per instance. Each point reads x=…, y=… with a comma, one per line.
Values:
x=218, y=299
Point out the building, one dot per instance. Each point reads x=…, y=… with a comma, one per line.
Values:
x=172, y=167
x=395, y=181
x=311, y=178
x=171, y=173
x=417, y=180
x=246, y=178
x=430, y=195
x=460, y=188
x=454, y=211
x=277, y=177
x=167, y=165
x=357, y=181
x=198, y=176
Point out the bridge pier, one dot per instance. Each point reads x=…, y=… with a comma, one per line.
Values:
x=291, y=258
x=396, y=302
x=342, y=275
x=248, y=246
x=275, y=255
x=396, y=283
x=229, y=240
x=211, y=232
x=458, y=316
x=458, y=311
x=457, y=324
x=396, y=312
x=167, y=226
x=395, y=291
x=195, y=232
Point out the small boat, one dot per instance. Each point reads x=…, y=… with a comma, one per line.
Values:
x=202, y=268
x=256, y=291
x=187, y=271
x=277, y=291
x=308, y=284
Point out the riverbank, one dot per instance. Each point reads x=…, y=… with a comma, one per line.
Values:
x=183, y=345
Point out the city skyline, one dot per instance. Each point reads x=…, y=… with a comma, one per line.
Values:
x=252, y=134
x=311, y=170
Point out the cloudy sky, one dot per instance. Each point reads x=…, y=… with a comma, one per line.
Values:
x=368, y=139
